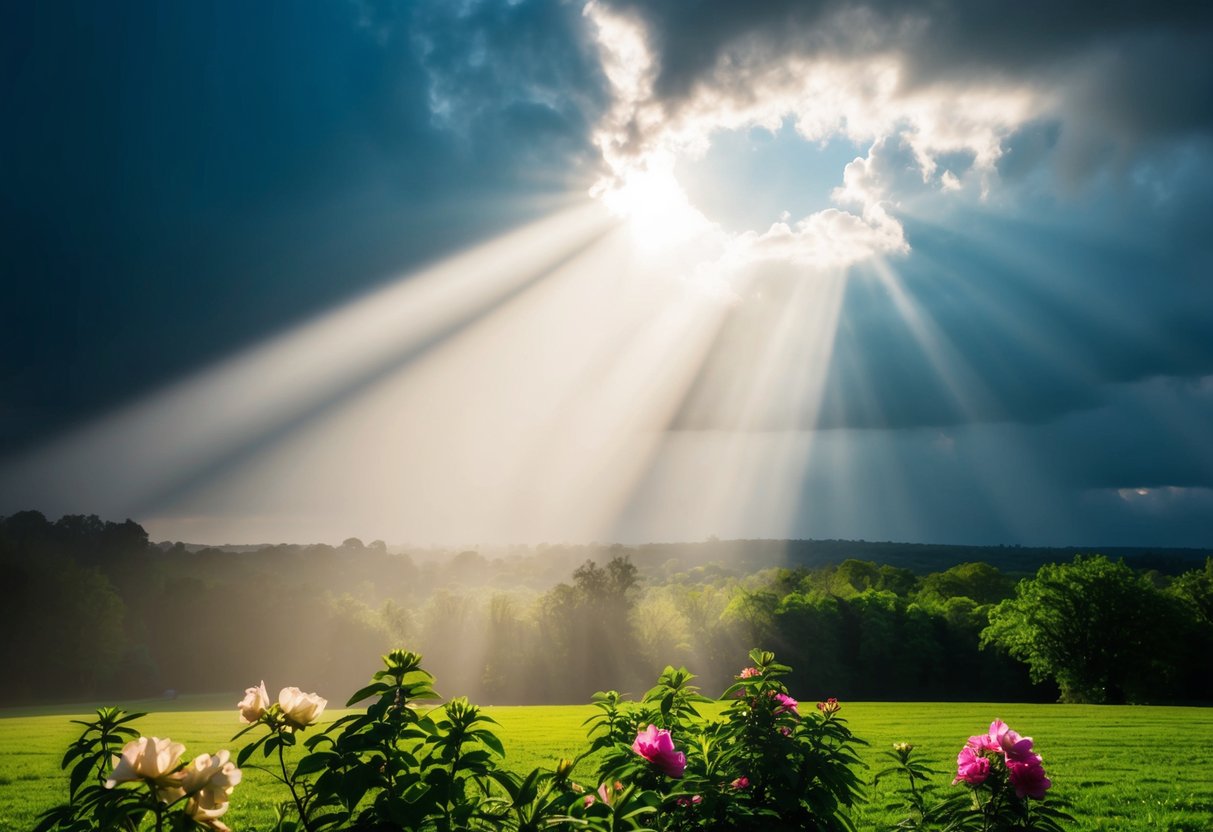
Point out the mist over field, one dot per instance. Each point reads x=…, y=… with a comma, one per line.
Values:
x=102, y=613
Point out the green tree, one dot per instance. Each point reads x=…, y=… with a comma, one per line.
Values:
x=1194, y=590
x=586, y=626
x=64, y=630
x=979, y=581
x=809, y=626
x=1102, y=632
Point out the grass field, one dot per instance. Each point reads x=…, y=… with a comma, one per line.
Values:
x=1123, y=768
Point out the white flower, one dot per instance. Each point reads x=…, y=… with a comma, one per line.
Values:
x=254, y=704
x=209, y=781
x=207, y=817
x=152, y=759
x=147, y=758
x=301, y=709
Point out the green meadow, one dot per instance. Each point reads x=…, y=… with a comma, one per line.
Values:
x=1121, y=767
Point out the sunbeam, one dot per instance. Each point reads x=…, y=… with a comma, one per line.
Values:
x=140, y=454
x=994, y=480
x=742, y=439
x=532, y=424
x=949, y=366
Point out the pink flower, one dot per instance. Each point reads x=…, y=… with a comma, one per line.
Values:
x=971, y=767
x=786, y=731
x=742, y=782
x=1024, y=768
x=690, y=801
x=830, y=706
x=1028, y=777
x=657, y=746
x=588, y=801
x=1009, y=743
x=749, y=673
x=786, y=703
x=983, y=742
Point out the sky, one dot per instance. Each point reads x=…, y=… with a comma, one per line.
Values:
x=535, y=271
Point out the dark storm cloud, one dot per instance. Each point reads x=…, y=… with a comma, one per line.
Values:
x=180, y=181
x=1103, y=448
x=1152, y=75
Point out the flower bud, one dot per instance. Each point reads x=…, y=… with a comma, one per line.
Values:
x=255, y=703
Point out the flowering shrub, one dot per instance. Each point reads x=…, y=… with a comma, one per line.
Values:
x=1006, y=784
x=403, y=765
x=144, y=784
x=763, y=764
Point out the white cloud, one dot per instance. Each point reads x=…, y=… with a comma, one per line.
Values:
x=829, y=239
x=827, y=87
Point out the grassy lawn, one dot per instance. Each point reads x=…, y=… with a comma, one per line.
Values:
x=1123, y=768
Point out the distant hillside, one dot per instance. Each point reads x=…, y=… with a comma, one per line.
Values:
x=743, y=556
x=921, y=558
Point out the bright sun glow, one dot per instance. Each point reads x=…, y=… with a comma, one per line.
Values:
x=657, y=210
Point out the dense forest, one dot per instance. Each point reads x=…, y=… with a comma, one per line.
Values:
x=96, y=611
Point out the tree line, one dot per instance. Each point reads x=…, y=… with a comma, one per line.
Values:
x=95, y=611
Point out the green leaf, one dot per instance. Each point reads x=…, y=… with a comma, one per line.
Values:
x=245, y=730
x=333, y=819
x=248, y=750
x=315, y=762
x=73, y=751
x=415, y=792
x=80, y=773
x=370, y=690
x=490, y=739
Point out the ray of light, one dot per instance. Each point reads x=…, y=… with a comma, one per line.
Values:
x=1061, y=324
x=890, y=492
x=1039, y=316
x=772, y=482
x=134, y=454
x=734, y=461
x=949, y=366
x=530, y=425
x=997, y=482
x=1044, y=265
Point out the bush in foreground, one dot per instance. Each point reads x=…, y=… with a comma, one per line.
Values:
x=399, y=765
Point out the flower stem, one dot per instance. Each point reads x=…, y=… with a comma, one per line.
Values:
x=916, y=798
x=157, y=807
x=290, y=784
